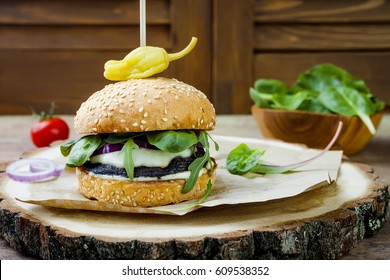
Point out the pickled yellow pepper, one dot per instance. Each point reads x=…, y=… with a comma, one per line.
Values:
x=143, y=62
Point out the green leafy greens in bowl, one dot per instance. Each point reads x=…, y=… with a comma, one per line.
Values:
x=325, y=88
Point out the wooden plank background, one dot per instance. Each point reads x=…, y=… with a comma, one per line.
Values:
x=55, y=50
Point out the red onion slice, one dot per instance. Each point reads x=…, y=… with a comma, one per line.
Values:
x=108, y=148
x=42, y=169
x=38, y=167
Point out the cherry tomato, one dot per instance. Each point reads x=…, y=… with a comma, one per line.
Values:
x=46, y=131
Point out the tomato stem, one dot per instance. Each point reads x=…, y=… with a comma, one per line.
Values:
x=42, y=115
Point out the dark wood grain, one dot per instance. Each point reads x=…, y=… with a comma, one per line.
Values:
x=47, y=58
x=321, y=11
x=76, y=38
x=232, y=55
x=91, y=12
x=324, y=37
x=239, y=42
x=192, y=18
x=38, y=78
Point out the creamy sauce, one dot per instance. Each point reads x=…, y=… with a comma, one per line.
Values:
x=141, y=157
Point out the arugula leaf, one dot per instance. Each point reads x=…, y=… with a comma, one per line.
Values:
x=128, y=157
x=216, y=146
x=82, y=150
x=173, y=141
x=209, y=188
x=196, y=166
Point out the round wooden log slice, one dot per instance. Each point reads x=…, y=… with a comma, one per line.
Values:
x=269, y=230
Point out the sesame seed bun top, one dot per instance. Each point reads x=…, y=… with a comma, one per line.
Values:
x=145, y=105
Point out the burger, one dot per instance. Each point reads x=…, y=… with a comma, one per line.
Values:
x=144, y=143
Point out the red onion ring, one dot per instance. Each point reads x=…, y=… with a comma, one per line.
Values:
x=108, y=148
x=39, y=169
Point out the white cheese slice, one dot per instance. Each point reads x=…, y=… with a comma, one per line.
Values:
x=141, y=157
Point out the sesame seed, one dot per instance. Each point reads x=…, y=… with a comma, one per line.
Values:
x=143, y=121
x=164, y=119
x=135, y=124
x=122, y=121
x=141, y=109
x=146, y=114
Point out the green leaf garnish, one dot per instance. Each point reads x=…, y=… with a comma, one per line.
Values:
x=349, y=102
x=242, y=160
x=128, y=157
x=173, y=141
x=82, y=150
x=325, y=88
x=67, y=147
x=197, y=165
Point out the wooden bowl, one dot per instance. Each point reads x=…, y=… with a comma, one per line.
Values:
x=315, y=130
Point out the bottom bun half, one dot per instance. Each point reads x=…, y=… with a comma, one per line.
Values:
x=139, y=193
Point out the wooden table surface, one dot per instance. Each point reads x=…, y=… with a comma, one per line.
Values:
x=15, y=140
